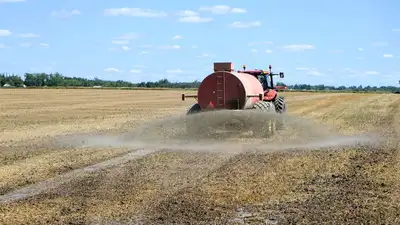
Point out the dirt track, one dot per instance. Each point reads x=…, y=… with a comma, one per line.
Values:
x=350, y=186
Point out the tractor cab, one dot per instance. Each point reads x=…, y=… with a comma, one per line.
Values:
x=265, y=77
x=265, y=81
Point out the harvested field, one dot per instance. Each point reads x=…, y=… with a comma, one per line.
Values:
x=350, y=185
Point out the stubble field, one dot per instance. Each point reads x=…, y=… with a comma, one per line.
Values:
x=355, y=185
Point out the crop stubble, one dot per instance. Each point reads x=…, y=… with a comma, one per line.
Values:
x=348, y=186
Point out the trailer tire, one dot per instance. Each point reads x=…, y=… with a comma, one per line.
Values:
x=195, y=108
x=264, y=106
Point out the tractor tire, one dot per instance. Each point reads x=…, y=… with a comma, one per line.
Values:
x=266, y=129
x=280, y=105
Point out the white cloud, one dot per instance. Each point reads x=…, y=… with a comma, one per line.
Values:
x=112, y=70
x=195, y=19
x=190, y=16
x=143, y=53
x=380, y=44
x=135, y=12
x=299, y=47
x=351, y=71
x=239, y=10
x=25, y=45
x=302, y=68
x=128, y=36
x=65, y=14
x=204, y=55
x=170, y=47
x=177, y=37
x=254, y=50
x=195, y=47
x=29, y=35
x=11, y=1
x=125, y=38
x=2, y=46
x=187, y=13
x=311, y=71
x=222, y=9
x=245, y=24
x=360, y=49
x=4, y=33
x=371, y=72
x=125, y=48
x=268, y=51
x=135, y=71
x=174, y=71
x=315, y=73
x=387, y=56
x=139, y=66
x=44, y=45
x=396, y=29
x=120, y=42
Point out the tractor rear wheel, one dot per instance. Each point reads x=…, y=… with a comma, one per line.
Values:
x=280, y=105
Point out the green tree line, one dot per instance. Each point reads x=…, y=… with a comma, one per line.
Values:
x=58, y=80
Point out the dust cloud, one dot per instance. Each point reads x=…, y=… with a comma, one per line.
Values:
x=227, y=131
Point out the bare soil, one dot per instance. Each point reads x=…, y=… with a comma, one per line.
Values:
x=103, y=180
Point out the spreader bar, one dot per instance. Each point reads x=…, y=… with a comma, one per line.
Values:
x=260, y=96
x=188, y=96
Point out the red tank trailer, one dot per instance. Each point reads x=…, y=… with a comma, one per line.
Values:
x=240, y=90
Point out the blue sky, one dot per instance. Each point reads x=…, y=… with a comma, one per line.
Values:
x=317, y=42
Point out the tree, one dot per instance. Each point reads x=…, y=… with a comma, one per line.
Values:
x=57, y=80
x=280, y=84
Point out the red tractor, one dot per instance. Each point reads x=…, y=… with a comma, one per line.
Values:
x=240, y=90
x=243, y=89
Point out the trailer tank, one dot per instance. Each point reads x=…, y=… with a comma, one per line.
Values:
x=229, y=90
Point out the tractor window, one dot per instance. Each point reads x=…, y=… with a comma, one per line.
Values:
x=267, y=82
x=264, y=80
x=261, y=78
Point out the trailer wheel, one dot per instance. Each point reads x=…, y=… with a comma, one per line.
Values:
x=195, y=108
x=264, y=106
